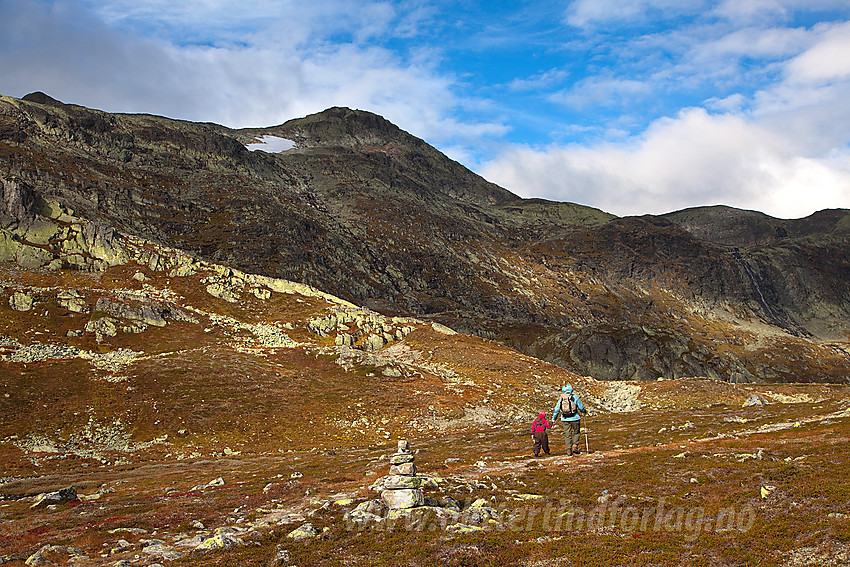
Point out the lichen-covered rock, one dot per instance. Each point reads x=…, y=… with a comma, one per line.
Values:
x=101, y=242
x=20, y=301
x=219, y=541
x=40, y=232
x=404, y=498
x=305, y=531
x=32, y=257
x=370, y=511
x=423, y=517
x=102, y=327
x=460, y=528
x=261, y=293
x=223, y=292
x=58, y=497
x=72, y=300
x=395, y=482
x=374, y=342
x=755, y=400
x=401, y=458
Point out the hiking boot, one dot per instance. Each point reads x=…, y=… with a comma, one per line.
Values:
x=575, y=450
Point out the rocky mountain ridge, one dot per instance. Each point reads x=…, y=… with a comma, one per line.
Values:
x=376, y=216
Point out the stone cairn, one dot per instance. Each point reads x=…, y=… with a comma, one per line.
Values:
x=402, y=488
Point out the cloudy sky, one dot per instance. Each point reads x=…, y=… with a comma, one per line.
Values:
x=632, y=106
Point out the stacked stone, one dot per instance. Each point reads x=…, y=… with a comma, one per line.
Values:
x=402, y=488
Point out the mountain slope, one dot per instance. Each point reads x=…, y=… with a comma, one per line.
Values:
x=374, y=215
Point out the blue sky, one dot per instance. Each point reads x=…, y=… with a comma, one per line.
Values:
x=632, y=106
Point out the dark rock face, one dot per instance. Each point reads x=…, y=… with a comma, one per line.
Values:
x=18, y=203
x=363, y=210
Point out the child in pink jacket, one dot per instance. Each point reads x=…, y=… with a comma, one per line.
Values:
x=539, y=435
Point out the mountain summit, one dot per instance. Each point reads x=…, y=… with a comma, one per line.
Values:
x=365, y=211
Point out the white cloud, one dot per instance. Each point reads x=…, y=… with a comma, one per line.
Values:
x=751, y=11
x=828, y=60
x=590, y=13
x=80, y=56
x=693, y=159
x=601, y=90
x=539, y=81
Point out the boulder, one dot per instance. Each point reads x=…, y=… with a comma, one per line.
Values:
x=403, y=498
x=220, y=291
x=20, y=301
x=60, y=496
x=755, y=400
x=40, y=232
x=102, y=328
x=374, y=342
x=9, y=247
x=102, y=243
x=219, y=541
x=281, y=557
x=367, y=512
x=32, y=257
x=73, y=300
x=424, y=517
x=305, y=531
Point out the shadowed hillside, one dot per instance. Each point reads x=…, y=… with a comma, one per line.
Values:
x=364, y=210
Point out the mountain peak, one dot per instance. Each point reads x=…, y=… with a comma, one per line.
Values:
x=39, y=97
x=342, y=126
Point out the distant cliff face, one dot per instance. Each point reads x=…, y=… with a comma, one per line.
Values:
x=367, y=212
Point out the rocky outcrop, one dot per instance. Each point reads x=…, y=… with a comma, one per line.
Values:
x=375, y=216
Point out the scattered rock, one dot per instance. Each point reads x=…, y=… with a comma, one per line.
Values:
x=305, y=531
x=368, y=512
x=211, y=484
x=55, y=554
x=103, y=327
x=73, y=301
x=219, y=541
x=20, y=301
x=60, y=496
x=755, y=400
x=281, y=557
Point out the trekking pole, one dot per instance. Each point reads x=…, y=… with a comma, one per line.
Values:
x=586, y=444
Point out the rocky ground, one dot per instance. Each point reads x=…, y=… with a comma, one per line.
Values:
x=161, y=409
x=723, y=485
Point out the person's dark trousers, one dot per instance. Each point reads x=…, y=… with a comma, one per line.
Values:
x=541, y=440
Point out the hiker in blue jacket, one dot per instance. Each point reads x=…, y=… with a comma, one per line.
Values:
x=570, y=420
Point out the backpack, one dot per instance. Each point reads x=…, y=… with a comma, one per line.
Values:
x=568, y=405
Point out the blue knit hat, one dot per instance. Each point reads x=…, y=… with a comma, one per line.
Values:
x=568, y=389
